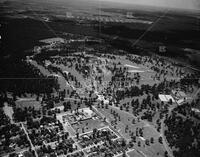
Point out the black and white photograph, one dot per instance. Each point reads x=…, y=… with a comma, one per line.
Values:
x=99, y=78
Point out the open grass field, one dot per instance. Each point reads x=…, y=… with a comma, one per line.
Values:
x=146, y=144
x=155, y=149
x=105, y=64
x=28, y=103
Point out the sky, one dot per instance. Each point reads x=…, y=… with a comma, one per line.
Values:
x=181, y=4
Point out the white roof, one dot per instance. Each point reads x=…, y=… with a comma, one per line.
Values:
x=55, y=75
x=106, y=101
x=47, y=63
x=101, y=98
x=195, y=110
x=180, y=101
x=66, y=72
x=88, y=111
x=58, y=107
x=166, y=98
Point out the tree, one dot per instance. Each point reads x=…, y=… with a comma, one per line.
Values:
x=28, y=154
x=160, y=140
x=123, y=143
x=141, y=132
x=106, y=106
x=124, y=154
x=139, y=143
x=170, y=101
x=152, y=140
x=77, y=135
x=69, y=105
x=126, y=129
x=13, y=155
x=94, y=132
x=78, y=104
x=166, y=154
x=134, y=138
x=65, y=106
x=147, y=142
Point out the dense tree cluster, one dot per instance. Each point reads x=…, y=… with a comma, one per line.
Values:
x=12, y=137
x=95, y=137
x=40, y=130
x=23, y=77
x=186, y=110
x=21, y=115
x=64, y=147
x=184, y=135
x=4, y=119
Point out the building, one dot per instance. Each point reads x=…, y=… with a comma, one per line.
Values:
x=166, y=98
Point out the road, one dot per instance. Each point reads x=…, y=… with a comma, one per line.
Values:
x=32, y=146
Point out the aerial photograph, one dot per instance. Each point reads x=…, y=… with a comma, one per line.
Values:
x=99, y=78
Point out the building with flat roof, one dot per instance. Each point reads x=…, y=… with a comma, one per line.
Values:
x=165, y=98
